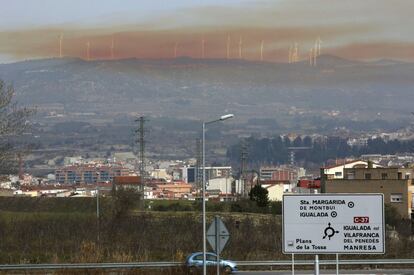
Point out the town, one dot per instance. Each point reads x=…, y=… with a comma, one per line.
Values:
x=391, y=175
x=207, y=137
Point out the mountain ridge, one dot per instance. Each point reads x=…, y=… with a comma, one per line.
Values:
x=324, y=58
x=185, y=87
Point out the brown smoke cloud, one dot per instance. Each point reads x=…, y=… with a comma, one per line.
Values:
x=161, y=43
x=370, y=29
x=376, y=50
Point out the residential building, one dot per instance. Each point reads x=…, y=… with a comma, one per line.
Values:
x=237, y=187
x=396, y=160
x=161, y=174
x=282, y=173
x=276, y=191
x=189, y=174
x=174, y=190
x=287, y=186
x=89, y=173
x=309, y=184
x=394, y=183
x=127, y=182
x=224, y=185
x=72, y=160
x=126, y=157
x=337, y=171
x=58, y=190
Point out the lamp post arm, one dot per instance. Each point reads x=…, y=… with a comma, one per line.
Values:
x=212, y=121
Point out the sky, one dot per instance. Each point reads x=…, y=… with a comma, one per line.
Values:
x=262, y=29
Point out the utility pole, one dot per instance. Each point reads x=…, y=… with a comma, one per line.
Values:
x=141, y=140
x=199, y=160
x=98, y=217
x=243, y=160
x=21, y=171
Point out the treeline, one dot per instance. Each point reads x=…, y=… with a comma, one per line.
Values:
x=276, y=150
x=110, y=204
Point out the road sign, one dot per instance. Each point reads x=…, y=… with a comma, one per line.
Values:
x=333, y=223
x=217, y=235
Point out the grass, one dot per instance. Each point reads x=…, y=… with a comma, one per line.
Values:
x=40, y=230
x=47, y=204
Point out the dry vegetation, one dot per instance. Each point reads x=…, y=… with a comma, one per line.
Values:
x=65, y=237
x=72, y=237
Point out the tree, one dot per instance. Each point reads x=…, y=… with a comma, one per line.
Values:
x=13, y=122
x=260, y=195
x=124, y=200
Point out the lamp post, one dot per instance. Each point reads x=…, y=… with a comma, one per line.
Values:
x=98, y=176
x=97, y=196
x=222, y=118
x=226, y=188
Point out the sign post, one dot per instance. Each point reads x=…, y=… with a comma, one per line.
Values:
x=217, y=236
x=333, y=224
x=337, y=264
x=316, y=264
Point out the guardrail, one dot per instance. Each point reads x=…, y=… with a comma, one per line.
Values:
x=91, y=266
x=180, y=264
x=329, y=262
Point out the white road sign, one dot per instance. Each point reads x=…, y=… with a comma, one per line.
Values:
x=217, y=235
x=333, y=223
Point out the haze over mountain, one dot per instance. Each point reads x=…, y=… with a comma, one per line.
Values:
x=202, y=88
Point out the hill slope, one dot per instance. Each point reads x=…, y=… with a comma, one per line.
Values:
x=197, y=88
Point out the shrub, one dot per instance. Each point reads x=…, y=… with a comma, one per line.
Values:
x=276, y=208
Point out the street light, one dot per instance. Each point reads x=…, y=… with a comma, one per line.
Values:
x=98, y=177
x=222, y=118
x=97, y=194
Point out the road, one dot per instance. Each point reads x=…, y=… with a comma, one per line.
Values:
x=333, y=272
